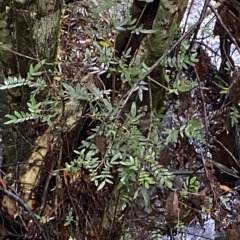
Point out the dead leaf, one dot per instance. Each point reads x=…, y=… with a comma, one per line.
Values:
x=57, y=78
x=175, y=204
x=185, y=103
x=226, y=188
x=172, y=204
x=101, y=143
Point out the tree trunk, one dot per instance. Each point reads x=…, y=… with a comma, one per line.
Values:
x=29, y=33
x=166, y=26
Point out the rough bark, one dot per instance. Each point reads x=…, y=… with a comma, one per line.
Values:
x=166, y=23
x=164, y=18
x=145, y=14
x=29, y=33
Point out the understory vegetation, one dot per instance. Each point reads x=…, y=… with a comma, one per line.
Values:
x=122, y=150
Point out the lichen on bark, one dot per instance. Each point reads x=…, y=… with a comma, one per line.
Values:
x=168, y=18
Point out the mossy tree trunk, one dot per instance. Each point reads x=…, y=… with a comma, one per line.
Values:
x=164, y=18
x=29, y=32
x=166, y=26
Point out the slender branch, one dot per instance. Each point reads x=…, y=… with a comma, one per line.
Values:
x=114, y=214
x=228, y=152
x=156, y=64
x=22, y=203
x=17, y=53
x=130, y=38
x=224, y=26
x=202, y=16
x=204, y=107
x=151, y=112
x=207, y=175
x=46, y=188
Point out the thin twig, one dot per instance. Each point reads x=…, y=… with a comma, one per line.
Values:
x=17, y=53
x=228, y=152
x=22, y=203
x=46, y=188
x=204, y=107
x=151, y=112
x=224, y=26
x=130, y=38
x=151, y=119
x=114, y=214
x=202, y=16
x=207, y=175
x=114, y=75
x=188, y=13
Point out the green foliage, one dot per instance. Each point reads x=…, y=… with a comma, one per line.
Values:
x=191, y=185
x=223, y=86
x=180, y=225
x=162, y=175
x=69, y=218
x=44, y=219
x=130, y=161
x=104, y=59
x=156, y=235
x=36, y=82
x=77, y=93
x=12, y=82
x=125, y=24
x=59, y=182
x=104, y=7
x=18, y=117
x=127, y=153
x=33, y=80
x=183, y=59
x=192, y=130
x=208, y=204
x=134, y=72
x=234, y=116
x=37, y=110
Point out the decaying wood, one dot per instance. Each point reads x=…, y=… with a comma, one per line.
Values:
x=30, y=179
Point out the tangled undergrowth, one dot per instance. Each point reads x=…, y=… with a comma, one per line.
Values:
x=117, y=168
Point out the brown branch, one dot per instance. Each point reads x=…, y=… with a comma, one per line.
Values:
x=236, y=161
x=17, y=53
x=9, y=193
x=204, y=107
x=224, y=26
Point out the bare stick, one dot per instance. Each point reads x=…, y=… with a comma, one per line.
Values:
x=22, y=203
